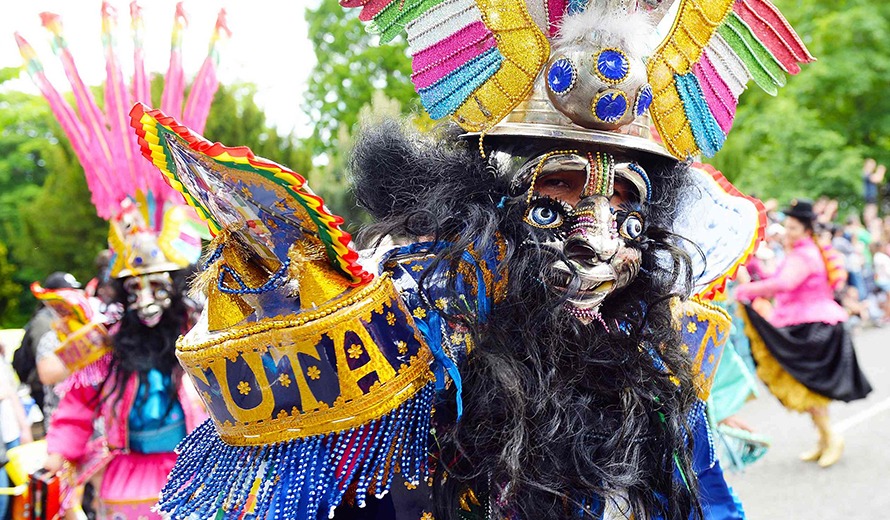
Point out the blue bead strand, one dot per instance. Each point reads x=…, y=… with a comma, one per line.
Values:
x=214, y=257
x=263, y=500
x=374, y=453
x=358, y=448
x=384, y=477
x=278, y=279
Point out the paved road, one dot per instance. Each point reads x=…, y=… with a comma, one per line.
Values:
x=781, y=487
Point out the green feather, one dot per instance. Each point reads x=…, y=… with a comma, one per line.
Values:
x=764, y=68
x=399, y=13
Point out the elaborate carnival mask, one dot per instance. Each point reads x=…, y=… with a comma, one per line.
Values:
x=594, y=207
x=149, y=296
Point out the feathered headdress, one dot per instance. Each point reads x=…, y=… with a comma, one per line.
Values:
x=588, y=72
x=585, y=70
x=151, y=230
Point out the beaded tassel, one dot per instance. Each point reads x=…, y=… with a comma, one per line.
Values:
x=296, y=479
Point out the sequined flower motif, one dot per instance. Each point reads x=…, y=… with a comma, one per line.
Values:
x=410, y=485
x=609, y=106
x=561, y=76
x=417, y=268
x=284, y=379
x=612, y=65
x=644, y=99
x=457, y=337
x=402, y=346
x=427, y=516
x=313, y=372
x=390, y=318
x=244, y=388
x=691, y=327
x=419, y=313
x=355, y=351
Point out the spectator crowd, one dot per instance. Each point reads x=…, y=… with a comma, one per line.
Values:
x=861, y=239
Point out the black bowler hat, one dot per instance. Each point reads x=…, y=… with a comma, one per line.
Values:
x=800, y=208
x=61, y=280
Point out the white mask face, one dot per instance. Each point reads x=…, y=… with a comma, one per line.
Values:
x=594, y=208
x=149, y=296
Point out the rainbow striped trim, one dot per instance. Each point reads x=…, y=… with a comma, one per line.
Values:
x=66, y=302
x=152, y=125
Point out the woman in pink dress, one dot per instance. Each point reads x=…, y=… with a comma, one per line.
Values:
x=804, y=353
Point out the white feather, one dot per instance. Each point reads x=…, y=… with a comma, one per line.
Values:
x=602, y=27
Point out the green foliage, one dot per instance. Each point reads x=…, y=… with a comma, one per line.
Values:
x=351, y=66
x=811, y=139
x=9, y=290
x=46, y=216
x=236, y=120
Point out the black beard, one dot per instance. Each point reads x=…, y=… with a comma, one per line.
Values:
x=558, y=413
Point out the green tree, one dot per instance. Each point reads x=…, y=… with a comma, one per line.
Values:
x=9, y=290
x=811, y=139
x=46, y=219
x=351, y=66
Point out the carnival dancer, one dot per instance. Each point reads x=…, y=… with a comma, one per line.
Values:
x=131, y=381
x=534, y=354
x=803, y=350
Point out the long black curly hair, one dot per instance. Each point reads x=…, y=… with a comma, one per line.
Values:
x=138, y=348
x=558, y=416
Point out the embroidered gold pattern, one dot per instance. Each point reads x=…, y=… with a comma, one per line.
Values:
x=295, y=338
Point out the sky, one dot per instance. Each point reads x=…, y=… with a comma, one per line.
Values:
x=269, y=46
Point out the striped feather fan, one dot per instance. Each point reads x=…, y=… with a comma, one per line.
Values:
x=713, y=50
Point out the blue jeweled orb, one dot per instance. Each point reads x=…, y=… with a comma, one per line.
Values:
x=561, y=77
x=610, y=106
x=612, y=65
x=644, y=99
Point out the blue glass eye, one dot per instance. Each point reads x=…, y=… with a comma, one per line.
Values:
x=561, y=77
x=644, y=100
x=610, y=106
x=632, y=227
x=612, y=65
x=544, y=216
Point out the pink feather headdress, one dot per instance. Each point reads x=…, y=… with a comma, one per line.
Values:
x=151, y=228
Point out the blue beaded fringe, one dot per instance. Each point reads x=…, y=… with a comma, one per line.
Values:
x=296, y=478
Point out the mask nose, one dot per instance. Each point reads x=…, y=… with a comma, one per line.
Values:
x=594, y=235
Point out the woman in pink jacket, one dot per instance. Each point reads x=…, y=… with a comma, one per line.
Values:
x=803, y=351
x=146, y=405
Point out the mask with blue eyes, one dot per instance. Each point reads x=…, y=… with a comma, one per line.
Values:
x=591, y=207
